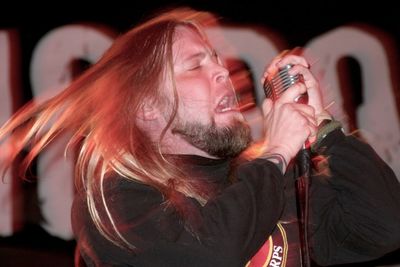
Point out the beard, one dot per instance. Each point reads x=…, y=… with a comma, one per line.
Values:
x=222, y=142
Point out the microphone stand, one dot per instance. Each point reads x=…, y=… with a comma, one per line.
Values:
x=302, y=193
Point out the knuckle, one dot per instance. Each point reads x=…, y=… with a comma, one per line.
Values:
x=300, y=87
x=287, y=106
x=302, y=120
x=310, y=109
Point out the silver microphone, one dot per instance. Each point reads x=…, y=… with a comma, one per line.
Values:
x=275, y=86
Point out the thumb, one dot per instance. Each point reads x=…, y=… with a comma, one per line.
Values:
x=267, y=106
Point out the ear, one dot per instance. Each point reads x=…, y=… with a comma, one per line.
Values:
x=148, y=111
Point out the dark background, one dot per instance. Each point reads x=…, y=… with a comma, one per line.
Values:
x=298, y=22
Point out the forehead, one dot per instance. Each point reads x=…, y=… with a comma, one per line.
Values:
x=188, y=41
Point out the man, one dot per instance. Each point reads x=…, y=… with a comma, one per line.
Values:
x=156, y=126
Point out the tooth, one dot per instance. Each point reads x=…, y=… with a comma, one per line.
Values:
x=223, y=101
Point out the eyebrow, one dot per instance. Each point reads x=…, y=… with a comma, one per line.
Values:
x=198, y=55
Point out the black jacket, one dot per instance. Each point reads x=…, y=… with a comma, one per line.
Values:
x=354, y=214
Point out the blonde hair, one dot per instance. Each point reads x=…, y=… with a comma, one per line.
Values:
x=99, y=111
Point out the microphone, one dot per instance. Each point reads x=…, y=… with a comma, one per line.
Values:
x=273, y=88
x=280, y=82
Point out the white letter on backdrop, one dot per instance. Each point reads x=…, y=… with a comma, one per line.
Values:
x=377, y=116
x=50, y=73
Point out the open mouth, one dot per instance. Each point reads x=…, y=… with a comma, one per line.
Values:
x=226, y=104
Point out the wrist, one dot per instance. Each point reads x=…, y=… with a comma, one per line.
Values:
x=278, y=156
x=324, y=129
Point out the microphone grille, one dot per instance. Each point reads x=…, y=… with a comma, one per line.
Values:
x=274, y=86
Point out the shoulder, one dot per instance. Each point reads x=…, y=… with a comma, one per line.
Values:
x=131, y=199
x=126, y=199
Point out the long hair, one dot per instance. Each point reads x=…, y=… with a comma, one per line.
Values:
x=98, y=110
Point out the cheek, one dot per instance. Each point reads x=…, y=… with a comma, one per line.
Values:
x=194, y=107
x=194, y=95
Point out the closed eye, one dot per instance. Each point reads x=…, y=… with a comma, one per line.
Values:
x=194, y=67
x=195, y=62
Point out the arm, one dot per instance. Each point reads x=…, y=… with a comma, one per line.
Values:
x=248, y=211
x=354, y=202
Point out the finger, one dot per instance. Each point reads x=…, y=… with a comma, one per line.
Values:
x=305, y=123
x=311, y=83
x=308, y=78
x=292, y=93
x=303, y=115
x=311, y=122
x=308, y=116
x=305, y=109
x=308, y=122
x=294, y=57
x=272, y=68
x=293, y=60
x=297, y=51
x=267, y=106
x=283, y=53
x=313, y=129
